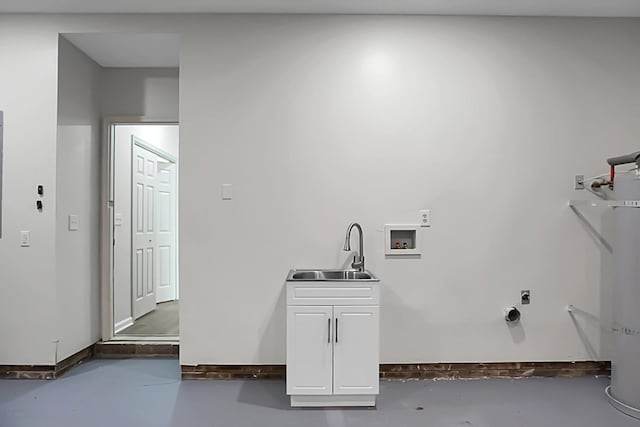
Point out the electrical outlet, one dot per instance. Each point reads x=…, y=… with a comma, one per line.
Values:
x=424, y=217
x=579, y=182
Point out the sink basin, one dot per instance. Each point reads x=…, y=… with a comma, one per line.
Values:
x=305, y=275
x=346, y=275
x=331, y=276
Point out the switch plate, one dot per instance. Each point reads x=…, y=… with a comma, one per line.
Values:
x=579, y=182
x=227, y=192
x=73, y=223
x=25, y=239
x=525, y=296
x=424, y=217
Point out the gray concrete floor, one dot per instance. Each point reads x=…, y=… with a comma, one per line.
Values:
x=148, y=393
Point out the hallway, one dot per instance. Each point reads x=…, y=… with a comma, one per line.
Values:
x=161, y=321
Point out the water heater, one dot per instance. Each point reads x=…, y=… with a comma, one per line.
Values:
x=624, y=391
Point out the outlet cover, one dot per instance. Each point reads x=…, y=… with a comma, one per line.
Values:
x=579, y=182
x=424, y=217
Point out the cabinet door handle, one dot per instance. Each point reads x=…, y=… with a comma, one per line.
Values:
x=329, y=331
x=336, y=329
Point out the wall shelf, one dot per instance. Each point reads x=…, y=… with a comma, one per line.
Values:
x=605, y=203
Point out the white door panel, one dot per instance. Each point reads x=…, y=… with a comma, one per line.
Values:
x=309, y=350
x=356, y=348
x=138, y=273
x=164, y=211
x=139, y=207
x=166, y=231
x=164, y=269
x=144, y=238
x=149, y=207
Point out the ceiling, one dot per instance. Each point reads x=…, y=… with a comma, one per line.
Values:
x=129, y=49
x=610, y=8
x=163, y=50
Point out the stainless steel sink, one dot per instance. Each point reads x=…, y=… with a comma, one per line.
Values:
x=331, y=276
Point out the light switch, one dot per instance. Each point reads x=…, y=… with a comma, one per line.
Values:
x=25, y=238
x=117, y=219
x=227, y=192
x=73, y=223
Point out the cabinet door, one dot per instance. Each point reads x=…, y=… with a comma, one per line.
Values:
x=309, y=349
x=356, y=350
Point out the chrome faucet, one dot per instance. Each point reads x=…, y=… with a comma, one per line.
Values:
x=358, y=260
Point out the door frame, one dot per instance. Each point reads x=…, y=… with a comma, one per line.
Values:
x=107, y=222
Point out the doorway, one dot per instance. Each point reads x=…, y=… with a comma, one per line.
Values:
x=145, y=234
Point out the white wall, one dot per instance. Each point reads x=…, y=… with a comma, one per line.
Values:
x=165, y=138
x=149, y=92
x=37, y=328
x=28, y=82
x=321, y=120
x=78, y=183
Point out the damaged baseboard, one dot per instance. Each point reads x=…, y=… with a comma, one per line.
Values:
x=120, y=350
x=97, y=350
x=46, y=372
x=417, y=370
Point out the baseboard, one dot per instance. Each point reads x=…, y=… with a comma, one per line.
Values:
x=232, y=372
x=229, y=372
x=416, y=370
x=97, y=350
x=122, y=325
x=323, y=401
x=120, y=350
x=493, y=370
x=46, y=372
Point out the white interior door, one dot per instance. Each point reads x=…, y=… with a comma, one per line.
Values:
x=355, y=353
x=166, y=232
x=309, y=350
x=143, y=265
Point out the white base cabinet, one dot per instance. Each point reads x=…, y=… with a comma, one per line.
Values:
x=333, y=349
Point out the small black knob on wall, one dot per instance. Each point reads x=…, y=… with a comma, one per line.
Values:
x=511, y=314
x=39, y=204
x=40, y=190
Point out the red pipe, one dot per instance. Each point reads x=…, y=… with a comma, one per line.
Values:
x=612, y=175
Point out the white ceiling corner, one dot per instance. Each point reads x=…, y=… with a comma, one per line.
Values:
x=129, y=49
